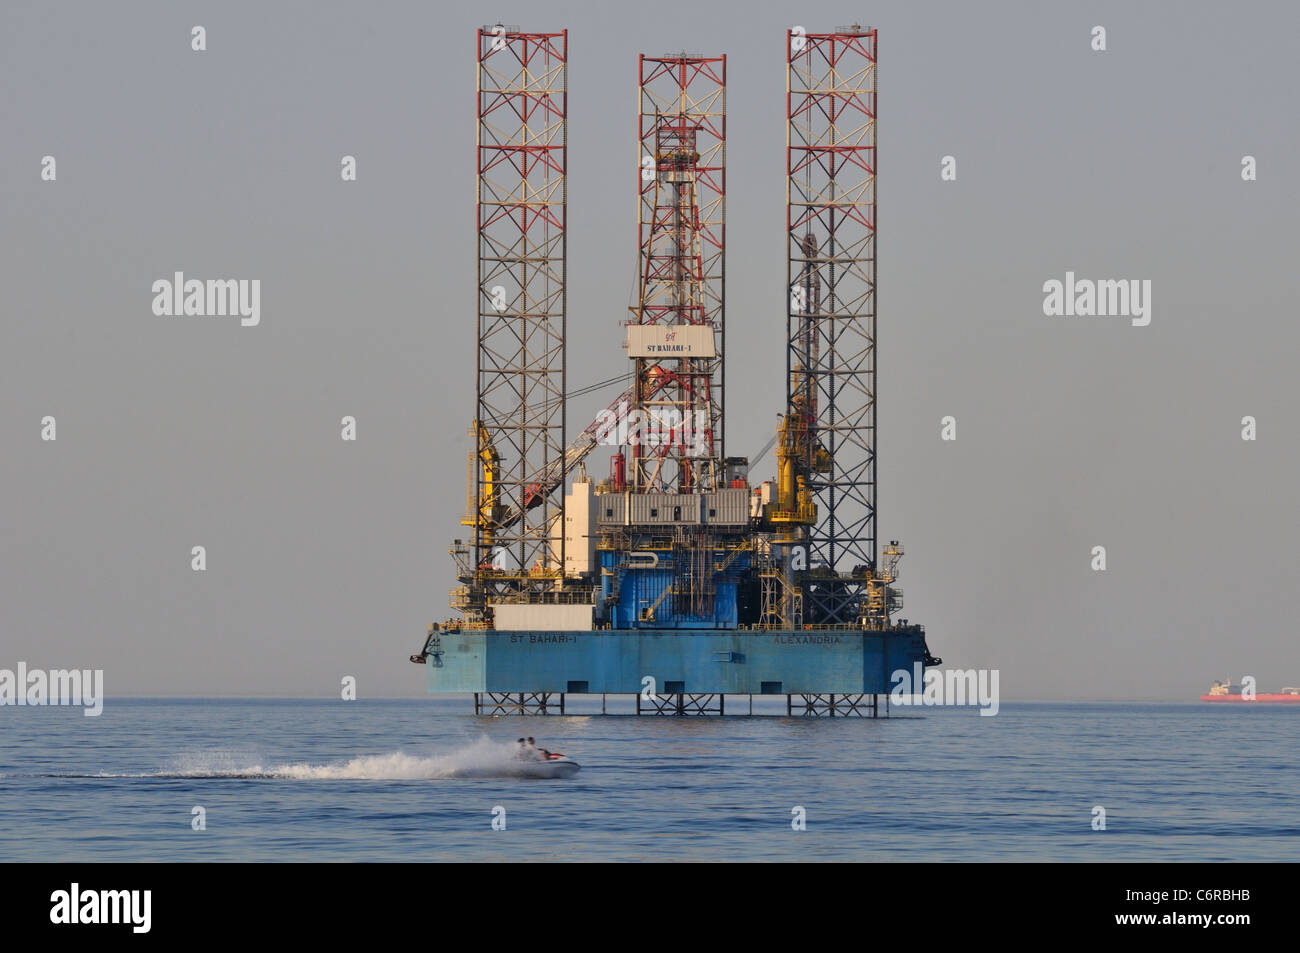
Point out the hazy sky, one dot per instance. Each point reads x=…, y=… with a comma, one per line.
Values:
x=328, y=558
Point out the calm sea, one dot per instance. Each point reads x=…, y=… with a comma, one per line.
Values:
x=421, y=780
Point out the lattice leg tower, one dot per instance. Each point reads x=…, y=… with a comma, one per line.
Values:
x=522, y=104
x=831, y=323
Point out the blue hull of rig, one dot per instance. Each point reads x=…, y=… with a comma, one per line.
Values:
x=611, y=661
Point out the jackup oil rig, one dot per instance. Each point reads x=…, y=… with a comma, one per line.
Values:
x=674, y=578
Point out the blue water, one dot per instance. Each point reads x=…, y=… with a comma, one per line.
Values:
x=383, y=780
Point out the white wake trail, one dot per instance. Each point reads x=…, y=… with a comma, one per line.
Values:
x=484, y=758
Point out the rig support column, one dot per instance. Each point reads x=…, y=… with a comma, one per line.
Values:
x=831, y=322
x=522, y=249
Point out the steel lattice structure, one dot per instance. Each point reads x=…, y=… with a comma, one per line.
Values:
x=682, y=241
x=831, y=316
x=522, y=127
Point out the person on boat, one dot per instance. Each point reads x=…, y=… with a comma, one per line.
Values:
x=521, y=752
x=531, y=750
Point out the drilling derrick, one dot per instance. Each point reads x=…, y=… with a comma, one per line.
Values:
x=679, y=311
x=674, y=547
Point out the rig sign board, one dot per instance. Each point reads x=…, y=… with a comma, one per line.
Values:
x=670, y=340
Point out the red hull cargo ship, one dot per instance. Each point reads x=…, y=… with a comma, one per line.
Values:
x=1225, y=691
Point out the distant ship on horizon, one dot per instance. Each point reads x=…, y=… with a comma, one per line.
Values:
x=1225, y=691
